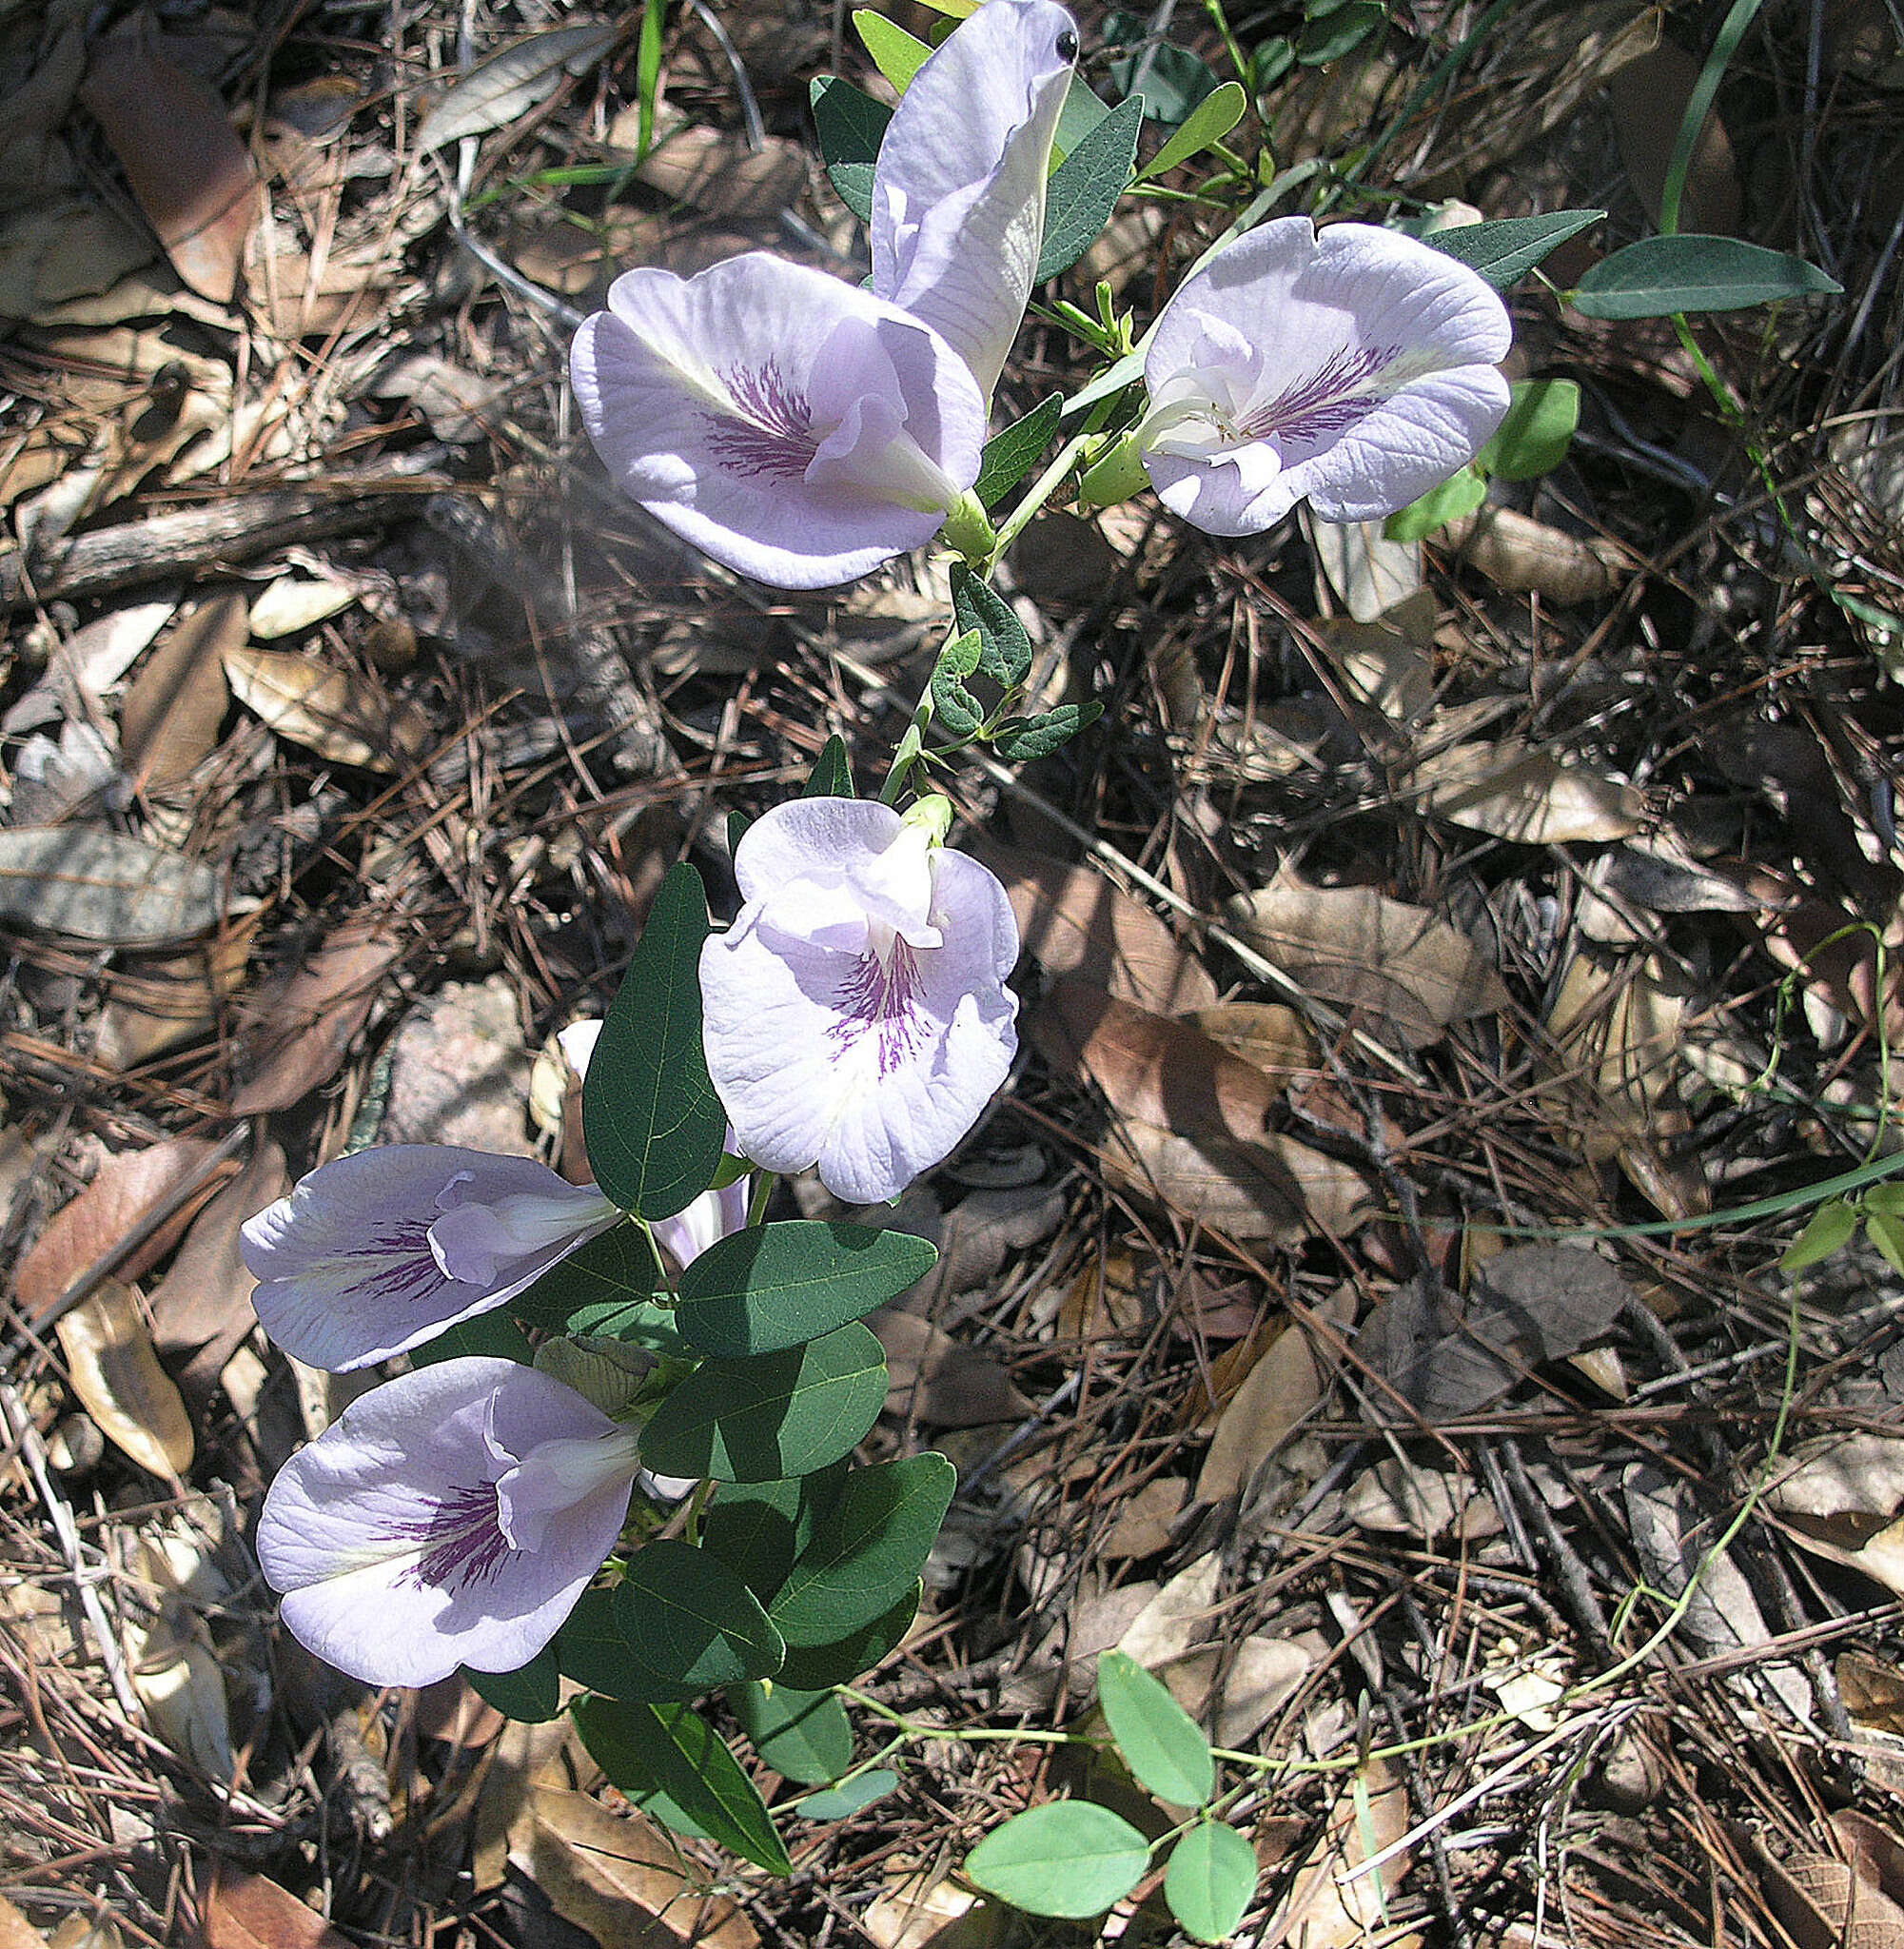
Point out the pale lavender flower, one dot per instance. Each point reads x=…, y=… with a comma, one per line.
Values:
x=1354, y=365
x=450, y=1516
x=713, y=1217
x=791, y=426
x=958, y=190
x=855, y=1014
x=384, y=1248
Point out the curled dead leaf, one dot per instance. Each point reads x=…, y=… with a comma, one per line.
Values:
x=243, y=1911
x=303, y=1026
x=173, y=711
x=116, y=1374
x=1529, y=796
x=338, y=714
x=1526, y=557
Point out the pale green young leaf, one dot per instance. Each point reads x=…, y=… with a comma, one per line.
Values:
x=1211, y=1880
x=1068, y=1858
x=1209, y=121
x=1167, y=1754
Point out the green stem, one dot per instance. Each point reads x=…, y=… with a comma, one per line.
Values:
x=1042, y=489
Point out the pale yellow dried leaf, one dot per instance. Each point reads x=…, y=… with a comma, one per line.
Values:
x=915, y=1913
x=1275, y=1039
x=1529, y=796
x=1326, y=1909
x=1388, y=661
x=1146, y=1520
x=1181, y=1616
x=1369, y=574
x=714, y=169
x=1262, y=1677
x=294, y=603
x=340, y=715
x=1276, y=1394
x=1401, y=1497
x=1408, y=968
x=1616, y=1026
x=174, y=705
x=116, y=1374
x=1526, y=557
x=511, y=82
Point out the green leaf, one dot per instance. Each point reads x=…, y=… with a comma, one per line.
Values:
x=690, y=1624
x=1506, y=250
x=592, y=1651
x=648, y=74
x=956, y=708
x=832, y=775
x=604, y=1288
x=1887, y=1234
x=757, y=1528
x=866, y=1550
x=1660, y=275
x=649, y=1116
x=774, y=1285
x=1169, y=1755
x=1080, y=196
x=813, y=1667
x=896, y=54
x=771, y=1415
x=804, y=1735
x=1271, y=61
x=1211, y=1880
x=1173, y=79
x=1209, y=121
x=1083, y=111
x=1458, y=495
x=532, y=1693
x=495, y=1335
x=1068, y=1858
x=1829, y=1230
x=643, y=1747
x=850, y=125
x=1018, y=741
x=1010, y=455
x=842, y=1802
x=1534, y=438
x=1005, y=648
x=1331, y=34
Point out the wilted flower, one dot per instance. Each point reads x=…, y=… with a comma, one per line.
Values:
x=958, y=191
x=1353, y=366
x=801, y=430
x=450, y=1516
x=386, y=1248
x=855, y=1014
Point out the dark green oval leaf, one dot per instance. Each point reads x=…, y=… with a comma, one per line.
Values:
x=1080, y=196
x=1010, y=455
x=1021, y=740
x=1068, y=1858
x=1506, y=250
x=757, y=1528
x=851, y=126
x=1330, y=37
x=494, y=1335
x=774, y=1285
x=805, y=1736
x=1211, y=1880
x=592, y=1651
x=649, y=1116
x=772, y=1415
x=866, y=1549
x=832, y=775
x=813, y=1667
x=1660, y=275
x=689, y=1624
x=842, y=1802
x=1005, y=647
x=672, y=1749
x=604, y=1288
x=532, y=1693
x=1167, y=1754
x=1209, y=121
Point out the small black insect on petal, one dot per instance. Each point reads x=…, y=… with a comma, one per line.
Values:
x=1068, y=45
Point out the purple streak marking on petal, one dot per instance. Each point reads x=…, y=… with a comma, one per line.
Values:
x=1321, y=403
x=880, y=995
x=404, y=1266
x=776, y=437
x=465, y=1536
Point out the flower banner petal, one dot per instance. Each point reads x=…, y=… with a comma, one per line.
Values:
x=793, y=427
x=958, y=191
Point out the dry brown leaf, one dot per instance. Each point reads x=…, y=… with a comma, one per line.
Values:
x=124, y=1189
x=619, y=1877
x=1526, y=557
x=1326, y=1909
x=1181, y=1616
x=99, y=885
x=1275, y=1039
x=1371, y=574
x=170, y=718
x=1872, y=1692
x=913, y=1913
x=118, y=1379
x=1074, y=922
x=1649, y=97
x=1620, y=1028
x=1388, y=661
x=716, y=171
x=295, y=601
x=303, y=1027
x=939, y=1382
x=16, y=1932
x=1529, y=796
x=159, y=1001
x=189, y=171
x=245, y=1911
x=1278, y=1391
x=1411, y=972
x=1146, y=1521
x=346, y=718
x=202, y=1307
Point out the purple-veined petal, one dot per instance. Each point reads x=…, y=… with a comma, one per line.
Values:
x=384, y=1248
x=958, y=190
x=851, y=1048
x=1355, y=367
x=390, y=1536
x=798, y=429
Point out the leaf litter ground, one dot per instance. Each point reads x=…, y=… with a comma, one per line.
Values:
x=1410, y=907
